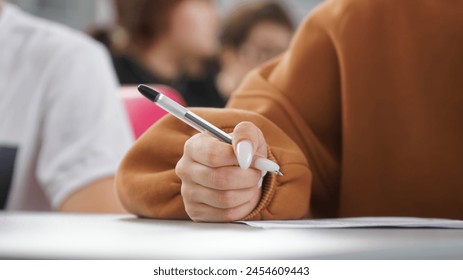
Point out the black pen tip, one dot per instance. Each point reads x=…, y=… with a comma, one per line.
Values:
x=148, y=92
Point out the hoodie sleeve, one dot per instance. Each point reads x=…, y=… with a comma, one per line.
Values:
x=148, y=186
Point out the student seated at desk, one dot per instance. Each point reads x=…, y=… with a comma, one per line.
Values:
x=364, y=115
x=63, y=130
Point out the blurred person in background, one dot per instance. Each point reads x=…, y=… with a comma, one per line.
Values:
x=63, y=130
x=165, y=42
x=251, y=34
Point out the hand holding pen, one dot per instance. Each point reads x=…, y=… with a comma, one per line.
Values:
x=190, y=118
x=217, y=181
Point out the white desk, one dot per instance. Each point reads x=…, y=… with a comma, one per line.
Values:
x=71, y=236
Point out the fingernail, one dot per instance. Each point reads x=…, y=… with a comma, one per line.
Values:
x=266, y=164
x=244, y=153
x=259, y=184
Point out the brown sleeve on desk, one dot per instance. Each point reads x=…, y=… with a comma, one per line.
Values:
x=148, y=186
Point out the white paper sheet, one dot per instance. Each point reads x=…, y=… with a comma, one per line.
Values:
x=360, y=222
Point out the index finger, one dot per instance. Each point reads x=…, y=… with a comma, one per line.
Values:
x=209, y=151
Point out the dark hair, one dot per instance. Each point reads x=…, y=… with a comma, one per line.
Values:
x=240, y=22
x=144, y=20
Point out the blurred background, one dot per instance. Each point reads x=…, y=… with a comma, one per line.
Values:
x=84, y=13
x=201, y=49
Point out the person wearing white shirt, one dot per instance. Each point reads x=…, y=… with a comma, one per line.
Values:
x=63, y=130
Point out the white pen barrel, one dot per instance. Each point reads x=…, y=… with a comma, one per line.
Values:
x=207, y=126
x=171, y=106
x=177, y=110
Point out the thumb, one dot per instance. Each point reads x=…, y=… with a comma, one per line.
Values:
x=248, y=141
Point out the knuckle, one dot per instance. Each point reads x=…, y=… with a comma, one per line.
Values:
x=216, y=178
x=180, y=169
x=188, y=193
x=226, y=198
x=189, y=145
x=212, y=157
x=192, y=209
x=192, y=212
x=184, y=191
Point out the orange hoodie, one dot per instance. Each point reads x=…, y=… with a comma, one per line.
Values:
x=364, y=114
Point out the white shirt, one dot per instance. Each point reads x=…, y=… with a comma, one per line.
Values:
x=61, y=123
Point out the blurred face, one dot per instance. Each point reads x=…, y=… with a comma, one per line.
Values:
x=194, y=28
x=265, y=41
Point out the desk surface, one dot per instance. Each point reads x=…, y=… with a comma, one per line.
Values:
x=72, y=236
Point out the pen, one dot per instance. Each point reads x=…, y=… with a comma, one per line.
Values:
x=200, y=124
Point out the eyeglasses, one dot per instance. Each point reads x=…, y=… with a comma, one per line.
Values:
x=258, y=53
